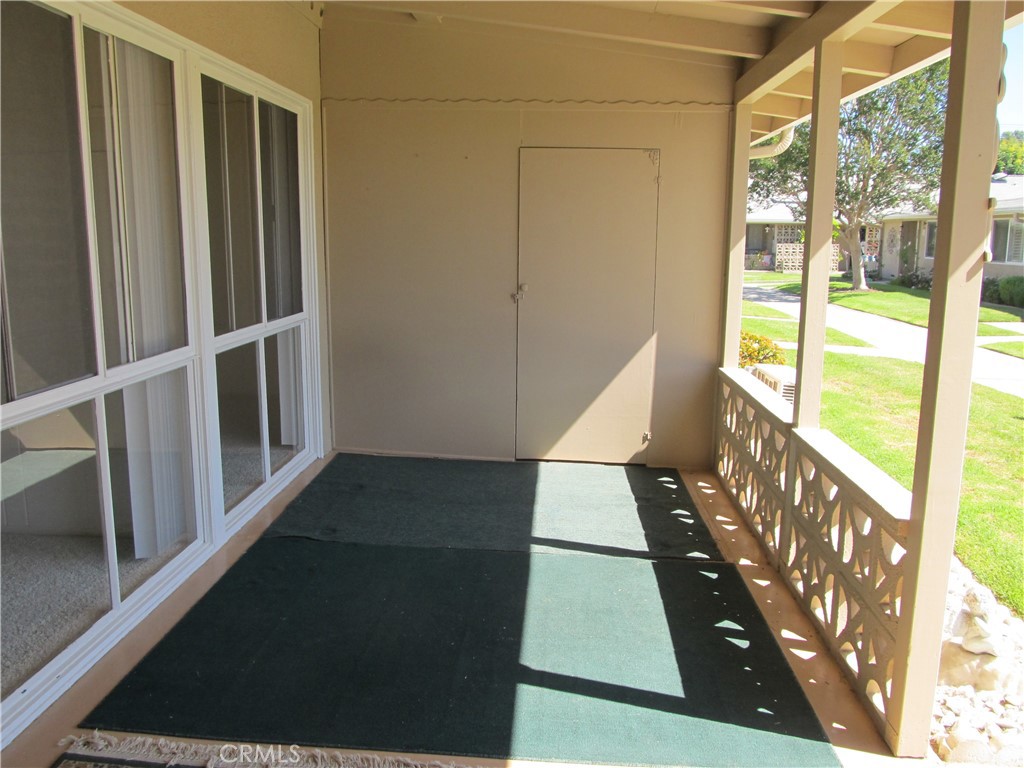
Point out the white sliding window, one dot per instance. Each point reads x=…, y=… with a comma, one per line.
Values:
x=279, y=172
x=135, y=188
x=229, y=131
x=99, y=495
x=253, y=210
x=54, y=561
x=285, y=422
x=48, y=336
x=151, y=475
x=155, y=325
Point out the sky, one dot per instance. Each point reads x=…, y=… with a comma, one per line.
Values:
x=1011, y=111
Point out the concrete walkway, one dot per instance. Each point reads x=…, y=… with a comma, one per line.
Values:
x=892, y=338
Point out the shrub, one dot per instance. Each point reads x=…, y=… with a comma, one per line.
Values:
x=1011, y=291
x=990, y=290
x=914, y=280
x=756, y=260
x=756, y=349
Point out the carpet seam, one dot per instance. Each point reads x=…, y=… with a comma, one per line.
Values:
x=637, y=556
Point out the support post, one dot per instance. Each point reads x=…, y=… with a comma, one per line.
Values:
x=821, y=201
x=736, y=237
x=964, y=226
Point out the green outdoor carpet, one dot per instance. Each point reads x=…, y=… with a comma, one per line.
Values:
x=583, y=649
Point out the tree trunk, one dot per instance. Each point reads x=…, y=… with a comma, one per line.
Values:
x=849, y=238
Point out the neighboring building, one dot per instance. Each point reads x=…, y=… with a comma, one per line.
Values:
x=913, y=235
x=768, y=228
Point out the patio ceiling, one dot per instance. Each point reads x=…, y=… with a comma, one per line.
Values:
x=769, y=42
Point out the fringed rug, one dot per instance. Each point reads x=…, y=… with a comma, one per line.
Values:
x=99, y=750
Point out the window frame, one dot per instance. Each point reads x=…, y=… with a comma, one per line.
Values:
x=197, y=358
x=256, y=88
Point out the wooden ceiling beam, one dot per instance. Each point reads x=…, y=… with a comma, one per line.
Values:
x=800, y=85
x=833, y=21
x=777, y=105
x=928, y=19
x=917, y=52
x=797, y=9
x=868, y=58
x=761, y=124
x=601, y=22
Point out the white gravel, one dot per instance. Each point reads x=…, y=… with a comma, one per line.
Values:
x=978, y=716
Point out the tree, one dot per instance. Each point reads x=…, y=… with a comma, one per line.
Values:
x=1011, y=153
x=890, y=157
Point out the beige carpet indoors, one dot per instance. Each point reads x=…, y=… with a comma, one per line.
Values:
x=52, y=589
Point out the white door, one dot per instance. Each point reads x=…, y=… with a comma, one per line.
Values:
x=588, y=221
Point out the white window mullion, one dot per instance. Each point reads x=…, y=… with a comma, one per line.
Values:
x=121, y=258
x=188, y=120
x=226, y=202
x=260, y=241
x=189, y=153
x=206, y=416
x=107, y=500
x=307, y=390
x=209, y=527
x=19, y=411
x=244, y=336
x=261, y=368
x=87, y=193
x=310, y=299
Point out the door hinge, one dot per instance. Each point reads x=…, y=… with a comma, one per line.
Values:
x=647, y=437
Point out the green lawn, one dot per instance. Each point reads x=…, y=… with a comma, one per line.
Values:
x=873, y=404
x=990, y=330
x=835, y=283
x=753, y=309
x=1015, y=348
x=758, y=276
x=765, y=276
x=785, y=330
x=909, y=305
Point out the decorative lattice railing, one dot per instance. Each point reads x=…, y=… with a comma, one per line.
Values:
x=789, y=257
x=831, y=522
x=752, y=446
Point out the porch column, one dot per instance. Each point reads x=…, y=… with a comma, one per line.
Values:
x=964, y=225
x=821, y=200
x=736, y=234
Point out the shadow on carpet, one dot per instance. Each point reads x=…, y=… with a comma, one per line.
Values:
x=614, y=636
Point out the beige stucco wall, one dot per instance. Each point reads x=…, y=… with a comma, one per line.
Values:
x=281, y=41
x=423, y=125
x=889, y=253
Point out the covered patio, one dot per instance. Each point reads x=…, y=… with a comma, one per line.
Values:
x=670, y=688
x=479, y=231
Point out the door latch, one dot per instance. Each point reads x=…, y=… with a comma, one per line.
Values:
x=519, y=293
